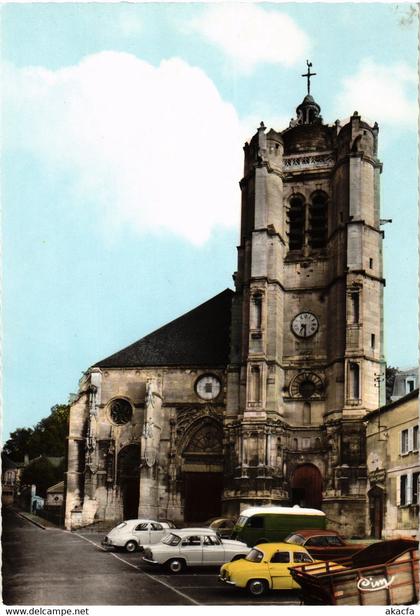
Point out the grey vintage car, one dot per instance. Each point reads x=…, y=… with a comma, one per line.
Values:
x=193, y=547
x=132, y=534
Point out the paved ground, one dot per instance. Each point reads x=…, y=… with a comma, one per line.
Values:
x=55, y=567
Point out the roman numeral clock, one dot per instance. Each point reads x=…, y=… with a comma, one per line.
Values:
x=305, y=325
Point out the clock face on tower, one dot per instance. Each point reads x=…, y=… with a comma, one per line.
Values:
x=305, y=324
x=208, y=387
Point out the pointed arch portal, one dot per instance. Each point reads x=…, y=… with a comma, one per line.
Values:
x=203, y=472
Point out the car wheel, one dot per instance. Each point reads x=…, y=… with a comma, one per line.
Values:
x=131, y=546
x=257, y=587
x=175, y=565
x=238, y=557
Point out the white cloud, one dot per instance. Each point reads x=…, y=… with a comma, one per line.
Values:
x=251, y=34
x=154, y=148
x=386, y=94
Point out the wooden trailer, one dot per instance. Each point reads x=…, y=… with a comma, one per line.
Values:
x=384, y=573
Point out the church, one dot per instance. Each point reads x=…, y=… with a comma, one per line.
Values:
x=258, y=396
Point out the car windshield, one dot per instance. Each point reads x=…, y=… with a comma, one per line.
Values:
x=296, y=539
x=242, y=521
x=254, y=556
x=171, y=539
x=121, y=525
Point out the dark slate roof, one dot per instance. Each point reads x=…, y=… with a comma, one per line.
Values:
x=200, y=337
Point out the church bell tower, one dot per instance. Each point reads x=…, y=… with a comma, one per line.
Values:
x=306, y=360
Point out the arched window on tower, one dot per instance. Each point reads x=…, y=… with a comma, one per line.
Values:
x=318, y=221
x=296, y=223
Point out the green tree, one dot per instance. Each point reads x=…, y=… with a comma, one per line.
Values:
x=49, y=435
x=43, y=474
x=19, y=444
x=47, y=438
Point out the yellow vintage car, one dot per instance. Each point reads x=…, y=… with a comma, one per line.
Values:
x=266, y=567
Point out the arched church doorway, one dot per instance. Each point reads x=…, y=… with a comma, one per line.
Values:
x=128, y=478
x=203, y=472
x=306, y=487
x=376, y=511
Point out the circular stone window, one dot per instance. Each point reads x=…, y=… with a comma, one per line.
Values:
x=307, y=385
x=120, y=411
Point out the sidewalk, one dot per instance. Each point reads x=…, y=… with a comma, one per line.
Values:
x=37, y=520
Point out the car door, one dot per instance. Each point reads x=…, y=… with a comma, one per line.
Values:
x=300, y=558
x=157, y=531
x=213, y=550
x=279, y=570
x=141, y=533
x=192, y=550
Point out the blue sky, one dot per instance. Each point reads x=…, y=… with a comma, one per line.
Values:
x=123, y=127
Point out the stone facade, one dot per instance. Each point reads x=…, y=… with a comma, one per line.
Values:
x=269, y=409
x=159, y=455
x=310, y=257
x=393, y=464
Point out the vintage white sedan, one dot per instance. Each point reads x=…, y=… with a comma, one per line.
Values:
x=131, y=534
x=193, y=547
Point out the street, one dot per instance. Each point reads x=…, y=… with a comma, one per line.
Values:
x=56, y=567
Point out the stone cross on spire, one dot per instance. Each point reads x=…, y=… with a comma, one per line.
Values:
x=308, y=75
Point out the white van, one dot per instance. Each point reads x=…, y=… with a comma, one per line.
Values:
x=131, y=534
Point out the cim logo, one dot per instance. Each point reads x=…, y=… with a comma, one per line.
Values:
x=370, y=584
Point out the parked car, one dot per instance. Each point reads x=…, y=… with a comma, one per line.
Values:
x=170, y=523
x=267, y=566
x=273, y=523
x=192, y=547
x=131, y=534
x=223, y=526
x=324, y=544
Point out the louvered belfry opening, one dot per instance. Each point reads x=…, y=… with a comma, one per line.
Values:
x=318, y=222
x=296, y=223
